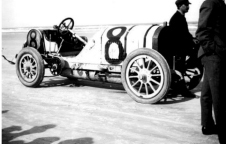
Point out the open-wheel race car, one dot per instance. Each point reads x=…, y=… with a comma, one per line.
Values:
x=133, y=55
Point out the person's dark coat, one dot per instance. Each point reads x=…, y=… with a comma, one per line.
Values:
x=211, y=31
x=183, y=40
x=211, y=34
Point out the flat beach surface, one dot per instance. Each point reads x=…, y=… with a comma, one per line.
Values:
x=59, y=112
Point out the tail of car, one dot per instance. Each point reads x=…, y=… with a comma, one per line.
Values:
x=35, y=40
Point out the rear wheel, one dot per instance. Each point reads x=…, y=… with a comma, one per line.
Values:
x=146, y=76
x=30, y=67
x=191, y=70
x=193, y=73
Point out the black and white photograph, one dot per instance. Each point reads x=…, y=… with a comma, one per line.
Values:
x=113, y=71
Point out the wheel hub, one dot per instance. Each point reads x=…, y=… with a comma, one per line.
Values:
x=144, y=76
x=57, y=64
x=54, y=66
x=28, y=68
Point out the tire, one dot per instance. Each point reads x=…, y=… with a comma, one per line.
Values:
x=146, y=76
x=30, y=67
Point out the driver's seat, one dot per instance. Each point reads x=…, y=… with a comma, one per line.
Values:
x=71, y=46
x=66, y=45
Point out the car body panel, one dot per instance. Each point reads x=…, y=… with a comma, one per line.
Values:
x=106, y=43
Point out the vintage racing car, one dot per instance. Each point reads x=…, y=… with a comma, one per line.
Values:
x=133, y=55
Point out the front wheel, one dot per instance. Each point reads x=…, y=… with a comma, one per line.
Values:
x=30, y=67
x=146, y=76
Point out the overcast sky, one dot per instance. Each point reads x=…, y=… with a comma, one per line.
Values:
x=29, y=13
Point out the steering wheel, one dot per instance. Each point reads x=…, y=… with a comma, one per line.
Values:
x=65, y=25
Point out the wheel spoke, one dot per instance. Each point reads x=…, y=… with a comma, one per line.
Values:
x=32, y=75
x=153, y=69
x=34, y=66
x=132, y=69
x=138, y=65
x=149, y=63
x=31, y=60
x=140, y=87
x=33, y=71
x=22, y=63
x=146, y=88
x=25, y=58
x=153, y=89
x=189, y=76
x=28, y=59
x=190, y=71
x=133, y=77
x=135, y=83
x=27, y=74
x=155, y=81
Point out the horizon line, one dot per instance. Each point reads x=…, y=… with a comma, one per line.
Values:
x=97, y=25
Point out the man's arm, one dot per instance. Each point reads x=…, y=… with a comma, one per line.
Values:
x=206, y=24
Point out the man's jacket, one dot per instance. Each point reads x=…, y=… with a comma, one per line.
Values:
x=211, y=31
x=180, y=33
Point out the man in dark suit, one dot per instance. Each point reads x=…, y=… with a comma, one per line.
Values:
x=211, y=33
x=184, y=43
x=179, y=26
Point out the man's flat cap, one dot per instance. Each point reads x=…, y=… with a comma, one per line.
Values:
x=180, y=2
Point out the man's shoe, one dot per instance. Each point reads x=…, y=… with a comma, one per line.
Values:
x=222, y=138
x=209, y=130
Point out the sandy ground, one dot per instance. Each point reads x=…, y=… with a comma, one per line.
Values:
x=58, y=112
